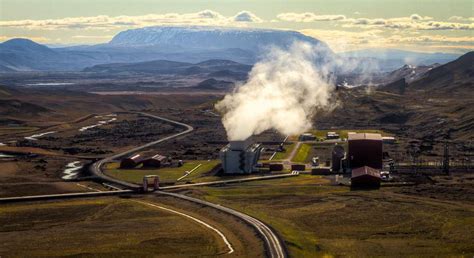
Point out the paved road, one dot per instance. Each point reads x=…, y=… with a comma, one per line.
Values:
x=96, y=167
x=230, y=181
x=62, y=196
x=273, y=244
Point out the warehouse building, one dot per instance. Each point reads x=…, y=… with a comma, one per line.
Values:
x=240, y=157
x=154, y=162
x=365, y=177
x=365, y=149
x=132, y=161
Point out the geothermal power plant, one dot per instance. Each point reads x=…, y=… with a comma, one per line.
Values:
x=240, y=157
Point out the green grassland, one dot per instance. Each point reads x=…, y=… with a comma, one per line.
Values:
x=284, y=154
x=168, y=174
x=343, y=133
x=319, y=220
x=105, y=227
x=302, y=153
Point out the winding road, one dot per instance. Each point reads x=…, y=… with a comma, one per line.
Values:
x=96, y=168
x=274, y=246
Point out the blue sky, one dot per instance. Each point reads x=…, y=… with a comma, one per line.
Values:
x=421, y=25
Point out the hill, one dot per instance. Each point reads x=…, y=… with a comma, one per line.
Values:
x=391, y=59
x=454, y=77
x=217, y=67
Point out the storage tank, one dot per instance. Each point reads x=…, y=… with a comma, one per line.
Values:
x=338, y=154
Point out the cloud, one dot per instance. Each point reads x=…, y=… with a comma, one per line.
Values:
x=341, y=41
x=414, y=21
x=105, y=22
x=309, y=17
x=460, y=18
x=93, y=36
x=246, y=16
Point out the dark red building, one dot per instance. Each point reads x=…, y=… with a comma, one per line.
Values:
x=154, y=162
x=132, y=161
x=365, y=149
x=365, y=177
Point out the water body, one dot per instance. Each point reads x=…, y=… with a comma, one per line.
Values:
x=35, y=137
x=101, y=122
x=72, y=170
x=50, y=84
x=3, y=155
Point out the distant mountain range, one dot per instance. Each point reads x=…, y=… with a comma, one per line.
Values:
x=179, y=44
x=391, y=59
x=211, y=68
x=195, y=44
x=454, y=77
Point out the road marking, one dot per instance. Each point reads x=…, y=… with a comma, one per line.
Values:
x=90, y=188
x=229, y=246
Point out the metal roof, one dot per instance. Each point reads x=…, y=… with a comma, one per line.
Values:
x=365, y=136
x=362, y=171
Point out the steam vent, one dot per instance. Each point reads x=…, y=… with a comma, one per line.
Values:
x=240, y=157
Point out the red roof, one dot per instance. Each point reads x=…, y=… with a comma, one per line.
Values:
x=362, y=171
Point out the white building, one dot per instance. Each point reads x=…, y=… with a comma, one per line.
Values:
x=240, y=157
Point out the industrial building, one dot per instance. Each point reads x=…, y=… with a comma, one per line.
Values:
x=240, y=157
x=332, y=135
x=154, y=162
x=132, y=161
x=365, y=149
x=365, y=177
x=307, y=137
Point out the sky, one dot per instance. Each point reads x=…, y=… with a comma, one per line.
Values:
x=418, y=25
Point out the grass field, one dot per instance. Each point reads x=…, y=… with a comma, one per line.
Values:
x=283, y=155
x=343, y=133
x=166, y=174
x=105, y=227
x=302, y=153
x=4, y=130
x=319, y=220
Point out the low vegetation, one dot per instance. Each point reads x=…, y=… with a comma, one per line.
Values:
x=343, y=133
x=108, y=227
x=168, y=174
x=302, y=153
x=317, y=219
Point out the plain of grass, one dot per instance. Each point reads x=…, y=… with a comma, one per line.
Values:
x=169, y=174
x=343, y=133
x=316, y=219
x=302, y=153
x=109, y=227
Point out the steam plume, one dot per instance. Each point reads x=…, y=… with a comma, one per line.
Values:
x=283, y=92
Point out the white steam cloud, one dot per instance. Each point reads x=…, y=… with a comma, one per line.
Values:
x=283, y=92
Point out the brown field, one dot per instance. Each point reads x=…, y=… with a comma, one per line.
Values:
x=114, y=227
x=316, y=219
